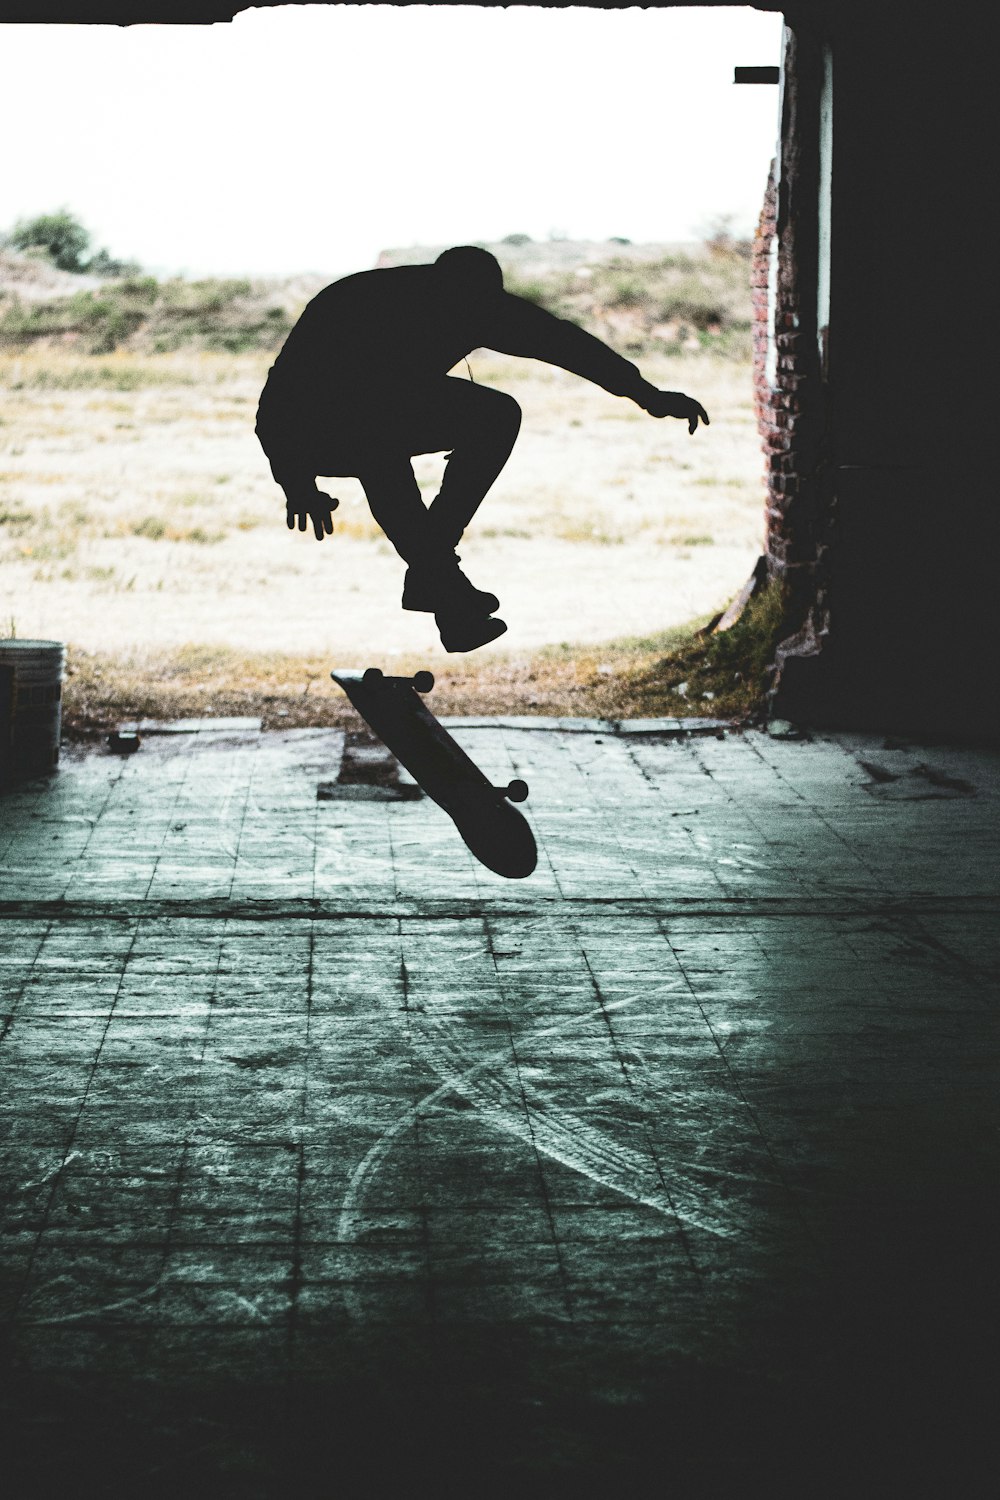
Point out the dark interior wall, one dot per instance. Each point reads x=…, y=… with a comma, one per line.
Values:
x=914, y=172
x=907, y=546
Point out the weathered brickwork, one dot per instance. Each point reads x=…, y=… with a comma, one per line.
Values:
x=759, y=269
x=778, y=383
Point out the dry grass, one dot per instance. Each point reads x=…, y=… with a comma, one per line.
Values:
x=139, y=523
x=676, y=673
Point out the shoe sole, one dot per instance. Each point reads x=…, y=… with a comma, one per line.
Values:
x=456, y=642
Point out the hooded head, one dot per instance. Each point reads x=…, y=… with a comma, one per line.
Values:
x=472, y=274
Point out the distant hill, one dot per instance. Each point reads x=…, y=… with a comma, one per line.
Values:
x=34, y=278
x=672, y=297
x=93, y=315
x=520, y=253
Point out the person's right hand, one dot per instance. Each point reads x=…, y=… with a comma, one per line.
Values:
x=676, y=404
x=316, y=507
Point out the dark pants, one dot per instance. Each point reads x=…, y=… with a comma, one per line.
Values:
x=374, y=441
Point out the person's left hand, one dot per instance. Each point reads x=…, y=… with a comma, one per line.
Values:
x=317, y=508
x=676, y=404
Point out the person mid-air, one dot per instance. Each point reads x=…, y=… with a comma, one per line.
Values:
x=361, y=385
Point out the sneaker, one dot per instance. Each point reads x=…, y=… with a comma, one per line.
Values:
x=461, y=631
x=427, y=588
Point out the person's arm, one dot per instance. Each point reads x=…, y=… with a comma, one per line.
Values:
x=530, y=332
x=280, y=440
x=303, y=501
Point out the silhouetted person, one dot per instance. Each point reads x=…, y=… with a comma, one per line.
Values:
x=362, y=384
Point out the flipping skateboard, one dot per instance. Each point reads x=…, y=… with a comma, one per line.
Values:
x=493, y=830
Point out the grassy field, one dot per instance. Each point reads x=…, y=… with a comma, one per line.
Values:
x=140, y=524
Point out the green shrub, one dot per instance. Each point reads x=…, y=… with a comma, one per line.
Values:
x=627, y=291
x=539, y=292
x=16, y=518
x=140, y=288
x=152, y=527
x=64, y=241
x=105, y=264
x=60, y=234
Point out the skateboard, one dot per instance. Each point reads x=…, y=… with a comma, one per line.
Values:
x=493, y=830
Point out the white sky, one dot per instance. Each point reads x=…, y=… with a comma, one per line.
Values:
x=308, y=138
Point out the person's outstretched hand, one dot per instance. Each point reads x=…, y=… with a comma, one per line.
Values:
x=316, y=507
x=676, y=404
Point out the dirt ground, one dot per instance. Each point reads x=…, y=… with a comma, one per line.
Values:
x=140, y=515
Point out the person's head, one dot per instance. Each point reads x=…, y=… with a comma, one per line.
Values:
x=472, y=274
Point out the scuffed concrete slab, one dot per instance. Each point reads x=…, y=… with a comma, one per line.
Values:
x=317, y=1136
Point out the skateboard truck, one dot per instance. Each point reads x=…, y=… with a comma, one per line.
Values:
x=493, y=830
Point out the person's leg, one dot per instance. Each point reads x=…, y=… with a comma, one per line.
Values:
x=396, y=505
x=434, y=579
x=482, y=425
x=475, y=425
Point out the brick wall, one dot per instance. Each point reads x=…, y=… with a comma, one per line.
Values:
x=760, y=265
x=779, y=371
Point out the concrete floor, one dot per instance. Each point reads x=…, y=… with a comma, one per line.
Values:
x=322, y=1145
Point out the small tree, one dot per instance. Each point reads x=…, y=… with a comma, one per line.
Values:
x=59, y=234
x=105, y=264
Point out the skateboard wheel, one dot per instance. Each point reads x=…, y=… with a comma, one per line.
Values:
x=372, y=674
x=423, y=681
x=516, y=791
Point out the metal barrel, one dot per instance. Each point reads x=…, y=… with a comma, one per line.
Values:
x=31, y=674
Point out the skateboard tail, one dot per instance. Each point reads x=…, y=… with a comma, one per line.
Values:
x=500, y=839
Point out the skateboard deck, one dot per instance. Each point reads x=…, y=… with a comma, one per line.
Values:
x=493, y=830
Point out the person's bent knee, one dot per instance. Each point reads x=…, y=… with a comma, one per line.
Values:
x=510, y=408
x=502, y=413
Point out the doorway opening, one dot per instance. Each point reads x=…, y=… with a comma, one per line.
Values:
x=141, y=523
